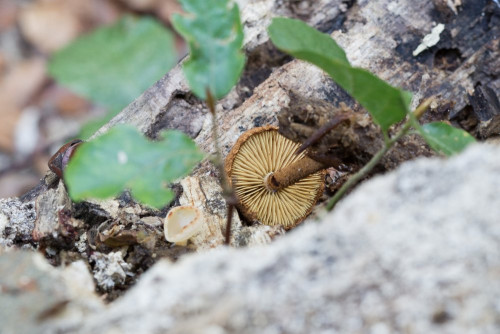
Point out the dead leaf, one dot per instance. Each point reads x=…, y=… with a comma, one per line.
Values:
x=23, y=81
x=49, y=25
x=9, y=114
x=64, y=101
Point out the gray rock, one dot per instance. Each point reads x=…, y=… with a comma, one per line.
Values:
x=110, y=269
x=414, y=251
x=17, y=220
x=36, y=297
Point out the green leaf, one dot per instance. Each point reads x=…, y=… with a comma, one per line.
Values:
x=386, y=104
x=296, y=37
x=445, y=138
x=123, y=158
x=114, y=65
x=215, y=36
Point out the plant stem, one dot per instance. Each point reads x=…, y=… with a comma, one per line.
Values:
x=230, y=209
x=378, y=156
x=368, y=167
x=227, y=190
x=322, y=131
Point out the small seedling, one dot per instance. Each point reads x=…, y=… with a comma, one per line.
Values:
x=386, y=104
x=214, y=33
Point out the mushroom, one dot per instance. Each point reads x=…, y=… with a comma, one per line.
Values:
x=181, y=223
x=273, y=184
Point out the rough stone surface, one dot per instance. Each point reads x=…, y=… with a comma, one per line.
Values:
x=414, y=251
x=17, y=220
x=110, y=269
x=36, y=297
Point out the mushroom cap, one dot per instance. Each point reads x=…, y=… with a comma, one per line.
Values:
x=182, y=222
x=257, y=153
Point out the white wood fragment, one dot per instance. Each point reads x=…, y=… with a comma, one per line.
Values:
x=430, y=39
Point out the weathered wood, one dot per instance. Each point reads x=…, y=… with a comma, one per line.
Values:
x=169, y=104
x=386, y=48
x=378, y=35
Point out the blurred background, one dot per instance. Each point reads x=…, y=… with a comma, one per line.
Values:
x=68, y=66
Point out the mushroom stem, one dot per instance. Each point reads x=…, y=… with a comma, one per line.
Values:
x=292, y=173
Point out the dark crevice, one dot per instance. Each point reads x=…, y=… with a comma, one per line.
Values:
x=448, y=59
x=481, y=117
x=184, y=112
x=480, y=17
x=91, y=214
x=337, y=23
x=465, y=119
x=260, y=64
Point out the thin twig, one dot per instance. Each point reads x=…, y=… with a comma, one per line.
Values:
x=230, y=208
x=322, y=131
x=227, y=190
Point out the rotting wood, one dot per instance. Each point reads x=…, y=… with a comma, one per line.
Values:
x=54, y=224
x=205, y=193
x=169, y=104
x=353, y=142
x=451, y=70
x=377, y=35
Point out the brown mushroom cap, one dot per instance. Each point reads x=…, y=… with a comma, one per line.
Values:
x=257, y=153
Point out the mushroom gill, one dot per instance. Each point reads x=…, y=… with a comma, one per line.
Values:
x=258, y=153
